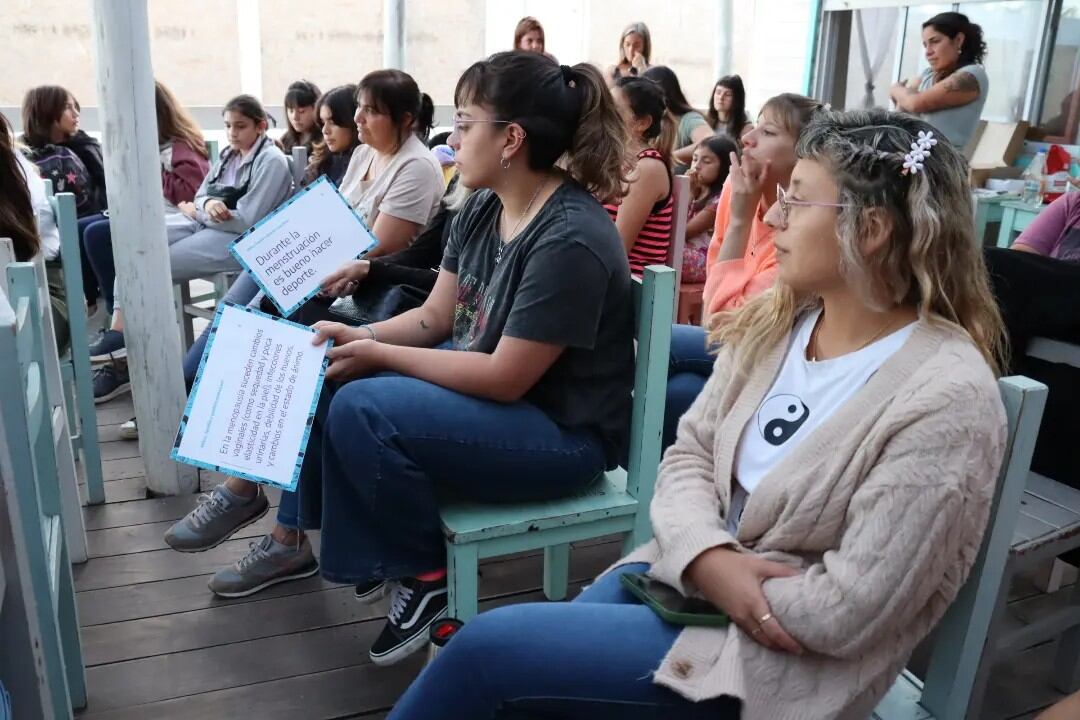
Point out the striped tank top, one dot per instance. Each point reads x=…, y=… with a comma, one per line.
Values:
x=654, y=239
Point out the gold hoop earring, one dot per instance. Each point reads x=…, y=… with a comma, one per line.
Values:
x=504, y=163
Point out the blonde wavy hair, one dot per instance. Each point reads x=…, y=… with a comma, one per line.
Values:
x=931, y=260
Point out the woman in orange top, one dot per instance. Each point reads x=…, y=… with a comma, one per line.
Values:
x=741, y=260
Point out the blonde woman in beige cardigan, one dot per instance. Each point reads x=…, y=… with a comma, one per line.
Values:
x=829, y=488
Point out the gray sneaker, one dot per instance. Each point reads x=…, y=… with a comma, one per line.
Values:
x=219, y=514
x=267, y=563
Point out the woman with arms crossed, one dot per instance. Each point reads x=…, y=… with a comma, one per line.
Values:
x=853, y=403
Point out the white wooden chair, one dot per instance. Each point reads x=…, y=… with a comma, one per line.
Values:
x=39, y=626
x=57, y=404
x=951, y=679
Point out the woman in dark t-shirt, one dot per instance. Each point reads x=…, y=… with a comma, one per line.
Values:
x=512, y=382
x=531, y=398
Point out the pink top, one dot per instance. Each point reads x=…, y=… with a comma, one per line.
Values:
x=184, y=175
x=1055, y=232
x=730, y=283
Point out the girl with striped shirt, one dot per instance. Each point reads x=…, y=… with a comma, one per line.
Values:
x=644, y=217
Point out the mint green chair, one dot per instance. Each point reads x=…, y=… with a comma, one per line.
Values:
x=618, y=502
x=32, y=497
x=961, y=636
x=75, y=362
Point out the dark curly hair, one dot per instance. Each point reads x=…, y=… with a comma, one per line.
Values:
x=951, y=24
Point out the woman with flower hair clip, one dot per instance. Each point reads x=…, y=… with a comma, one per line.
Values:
x=827, y=491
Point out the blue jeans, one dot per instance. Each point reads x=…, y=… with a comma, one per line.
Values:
x=241, y=292
x=384, y=449
x=91, y=289
x=689, y=367
x=592, y=658
x=97, y=249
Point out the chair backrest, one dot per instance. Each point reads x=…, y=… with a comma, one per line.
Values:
x=680, y=197
x=63, y=205
x=654, y=297
x=30, y=484
x=213, y=151
x=299, y=164
x=78, y=355
x=961, y=634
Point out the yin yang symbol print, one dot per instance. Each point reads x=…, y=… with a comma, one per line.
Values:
x=780, y=417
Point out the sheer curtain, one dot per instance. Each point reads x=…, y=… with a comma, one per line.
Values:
x=875, y=29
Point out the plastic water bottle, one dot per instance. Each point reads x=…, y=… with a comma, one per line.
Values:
x=1035, y=180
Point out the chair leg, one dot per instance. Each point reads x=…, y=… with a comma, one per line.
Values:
x=556, y=571
x=463, y=566
x=986, y=660
x=68, y=622
x=1067, y=661
x=182, y=293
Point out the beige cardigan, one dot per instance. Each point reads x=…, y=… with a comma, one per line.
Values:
x=883, y=506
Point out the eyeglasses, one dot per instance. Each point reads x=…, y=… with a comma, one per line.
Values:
x=786, y=203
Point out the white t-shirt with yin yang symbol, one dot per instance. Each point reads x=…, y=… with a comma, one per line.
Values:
x=802, y=397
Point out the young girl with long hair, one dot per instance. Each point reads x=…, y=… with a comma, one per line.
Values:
x=68, y=157
x=644, y=217
x=518, y=365
x=727, y=108
x=336, y=112
x=854, y=402
x=184, y=164
x=302, y=116
x=690, y=125
x=51, y=119
x=708, y=172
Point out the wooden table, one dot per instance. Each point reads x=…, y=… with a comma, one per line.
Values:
x=1015, y=218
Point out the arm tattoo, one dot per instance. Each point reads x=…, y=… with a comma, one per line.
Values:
x=962, y=82
x=424, y=325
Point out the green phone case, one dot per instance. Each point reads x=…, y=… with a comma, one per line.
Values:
x=634, y=582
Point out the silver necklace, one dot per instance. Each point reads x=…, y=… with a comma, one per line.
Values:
x=513, y=233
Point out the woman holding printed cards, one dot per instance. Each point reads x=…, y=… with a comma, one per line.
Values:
x=512, y=382
x=392, y=180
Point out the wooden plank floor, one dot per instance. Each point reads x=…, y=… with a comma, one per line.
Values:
x=159, y=645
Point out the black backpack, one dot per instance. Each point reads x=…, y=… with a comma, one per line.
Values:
x=67, y=173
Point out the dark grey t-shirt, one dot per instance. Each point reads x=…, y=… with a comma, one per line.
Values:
x=563, y=280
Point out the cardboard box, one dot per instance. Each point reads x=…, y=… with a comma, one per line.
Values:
x=993, y=150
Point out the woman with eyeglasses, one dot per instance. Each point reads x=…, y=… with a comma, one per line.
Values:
x=827, y=492
x=741, y=259
x=512, y=381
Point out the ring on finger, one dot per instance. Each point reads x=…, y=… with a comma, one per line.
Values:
x=765, y=618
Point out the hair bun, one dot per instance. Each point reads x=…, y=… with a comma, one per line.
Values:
x=567, y=74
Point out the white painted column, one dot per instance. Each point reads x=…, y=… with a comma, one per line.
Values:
x=725, y=30
x=250, y=39
x=393, y=49
x=125, y=82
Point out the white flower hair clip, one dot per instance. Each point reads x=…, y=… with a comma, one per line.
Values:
x=920, y=150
